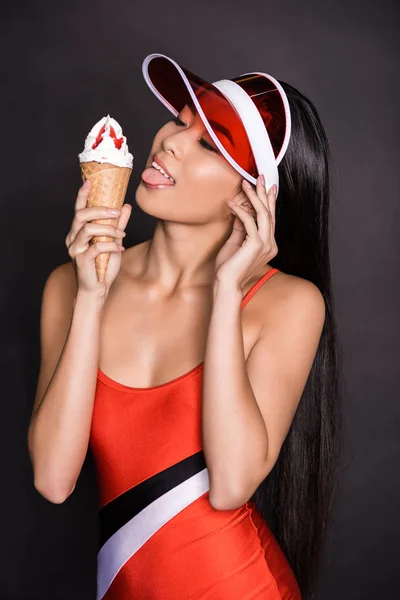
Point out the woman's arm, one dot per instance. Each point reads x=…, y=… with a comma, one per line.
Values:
x=59, y=430
x=248, y=406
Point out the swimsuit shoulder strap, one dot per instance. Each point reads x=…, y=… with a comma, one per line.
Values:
x=257, y=285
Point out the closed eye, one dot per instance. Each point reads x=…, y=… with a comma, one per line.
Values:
x=202, y=142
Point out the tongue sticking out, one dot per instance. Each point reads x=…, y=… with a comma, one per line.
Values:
x=155, y=177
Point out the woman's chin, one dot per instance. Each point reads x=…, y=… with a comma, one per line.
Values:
x=145, y=199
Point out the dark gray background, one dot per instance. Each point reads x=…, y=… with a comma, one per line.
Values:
x=64, y=66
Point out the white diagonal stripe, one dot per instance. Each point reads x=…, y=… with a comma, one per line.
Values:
x=131, y=536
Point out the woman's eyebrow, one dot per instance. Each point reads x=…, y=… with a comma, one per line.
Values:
x=215, y=125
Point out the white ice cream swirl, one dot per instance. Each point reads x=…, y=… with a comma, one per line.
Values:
x=105, y=143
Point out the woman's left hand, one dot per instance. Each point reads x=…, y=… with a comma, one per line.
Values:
x=252, y=242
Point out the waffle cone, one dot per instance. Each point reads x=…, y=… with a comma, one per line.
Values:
x=108, y=188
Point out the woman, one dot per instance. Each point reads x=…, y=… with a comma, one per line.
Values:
x=205, y=418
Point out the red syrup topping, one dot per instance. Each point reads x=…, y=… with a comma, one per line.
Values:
x=117, y=141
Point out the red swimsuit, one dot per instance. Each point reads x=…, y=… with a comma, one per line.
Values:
x=160, y=539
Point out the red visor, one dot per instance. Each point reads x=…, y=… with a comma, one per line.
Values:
x=176, y=86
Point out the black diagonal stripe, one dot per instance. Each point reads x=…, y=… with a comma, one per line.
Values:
x=123, y=508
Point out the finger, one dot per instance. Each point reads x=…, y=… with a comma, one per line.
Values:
x=80, y=203
x=90, y=230
x=101, y=247
x=126, y=212
x=248, y=220
x=266, y=199
x=262, y=193
x=249, y=210
x=86, y=215
x=241, y=199
x=83, y=193
x=263, y=213
x=94, y=250
x=247, y=206
x=272, y=195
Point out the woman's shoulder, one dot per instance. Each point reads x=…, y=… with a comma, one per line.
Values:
x=293, y=284
x=286, y=293
x=63, y=276
x=283, y=285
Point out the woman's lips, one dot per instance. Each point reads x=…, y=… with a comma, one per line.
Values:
x=160, y=163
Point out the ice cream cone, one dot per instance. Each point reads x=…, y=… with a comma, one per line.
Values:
x=108, y=188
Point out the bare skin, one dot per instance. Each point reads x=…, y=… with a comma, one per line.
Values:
x=148, y=323
x=169, y=278
x=135, y=344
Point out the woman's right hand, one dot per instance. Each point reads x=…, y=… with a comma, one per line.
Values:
x=83, y=254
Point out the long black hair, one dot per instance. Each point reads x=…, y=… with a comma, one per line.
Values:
x=296, y=497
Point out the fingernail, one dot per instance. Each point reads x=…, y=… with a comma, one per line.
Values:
x=114, y=211
x=246, y=183
x=275, y=189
